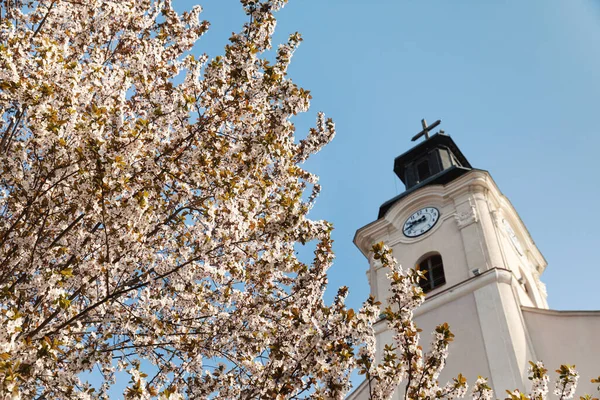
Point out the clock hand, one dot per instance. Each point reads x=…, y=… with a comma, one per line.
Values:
x=416, y=222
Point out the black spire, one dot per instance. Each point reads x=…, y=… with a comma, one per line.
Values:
x=435, y=161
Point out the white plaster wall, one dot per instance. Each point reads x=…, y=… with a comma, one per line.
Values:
x=444, y=239
x=467, y=352
x=521, y=266
x=567, y=337
x=519, y=336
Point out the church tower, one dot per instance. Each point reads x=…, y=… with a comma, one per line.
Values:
x=482, y=265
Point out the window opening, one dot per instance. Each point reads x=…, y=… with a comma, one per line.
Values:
x=423, y=171
x=433, y=269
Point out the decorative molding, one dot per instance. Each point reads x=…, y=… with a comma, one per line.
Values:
x=467, y=217
x=496, y=217
x=541, y=286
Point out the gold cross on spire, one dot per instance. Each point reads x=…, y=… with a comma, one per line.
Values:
x=426, y=129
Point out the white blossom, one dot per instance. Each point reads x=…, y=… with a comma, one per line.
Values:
x=566, y=383
x=150, y=202
x=481, y=390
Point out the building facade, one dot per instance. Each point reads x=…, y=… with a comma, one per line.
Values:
x=483, y=272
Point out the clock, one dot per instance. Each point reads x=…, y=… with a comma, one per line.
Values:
x=421, y=222
x=512, y=236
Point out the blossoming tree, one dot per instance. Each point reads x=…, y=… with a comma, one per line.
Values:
x=150, y=203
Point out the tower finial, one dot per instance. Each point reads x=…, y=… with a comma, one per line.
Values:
x=426, y=129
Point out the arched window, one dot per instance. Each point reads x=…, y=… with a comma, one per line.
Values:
x=433, y=268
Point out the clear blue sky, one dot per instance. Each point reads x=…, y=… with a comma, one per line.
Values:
x=516, y=84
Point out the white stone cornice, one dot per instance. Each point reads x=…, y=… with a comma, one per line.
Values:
x=474, y=183
x=366, y=236
x=446, y=296
x=563, y=313
x=498, y=275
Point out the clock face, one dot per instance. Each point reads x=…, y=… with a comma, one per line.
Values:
x=512, y=236
x=421, y=222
